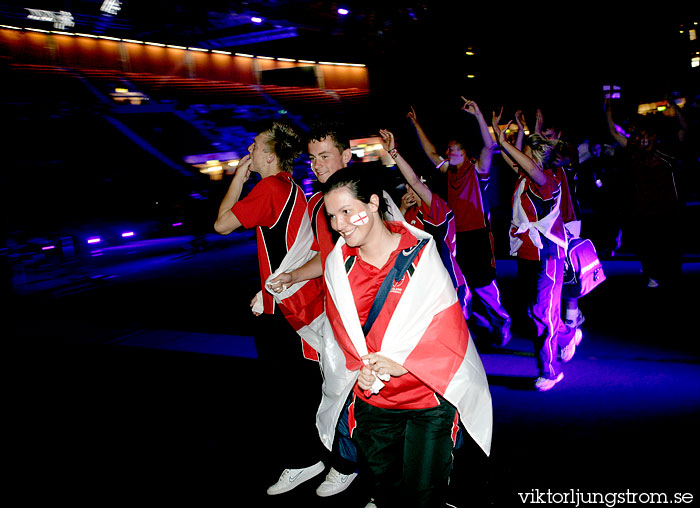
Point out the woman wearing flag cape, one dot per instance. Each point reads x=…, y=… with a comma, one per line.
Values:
x=408, y=358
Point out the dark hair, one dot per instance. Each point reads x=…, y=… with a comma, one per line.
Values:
x=285, y=143
x=334, y=131
x=361, y=182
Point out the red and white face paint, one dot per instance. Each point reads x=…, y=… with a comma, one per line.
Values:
x=359, y=219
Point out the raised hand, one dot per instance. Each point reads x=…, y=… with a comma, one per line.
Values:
x=407, y=201
x=243, y=169
x=470, y=107
x=495, y=121
x=539, y=122
x=388, y=141
x=412, y=115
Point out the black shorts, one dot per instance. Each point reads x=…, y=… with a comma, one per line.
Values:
x=475, y=256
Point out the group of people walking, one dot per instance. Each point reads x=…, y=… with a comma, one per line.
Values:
x=378, y=304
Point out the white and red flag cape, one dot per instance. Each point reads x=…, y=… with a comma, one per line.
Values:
x=427, y=334
x=301, y=303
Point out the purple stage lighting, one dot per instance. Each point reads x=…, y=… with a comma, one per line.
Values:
x=48, y=247
x=256, y=19
x=177, y=224
x=127, y=234
x=94, y=239
x=343, y=12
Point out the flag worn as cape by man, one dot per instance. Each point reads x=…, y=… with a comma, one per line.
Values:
x=302, y=303
x=427, y=334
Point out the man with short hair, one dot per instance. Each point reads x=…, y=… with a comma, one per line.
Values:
x=467, y=178
x=276, y=207
x=329, y=151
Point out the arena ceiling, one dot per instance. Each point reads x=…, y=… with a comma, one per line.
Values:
x=404, y=40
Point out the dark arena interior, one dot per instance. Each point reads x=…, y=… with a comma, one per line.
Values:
x=130, y=364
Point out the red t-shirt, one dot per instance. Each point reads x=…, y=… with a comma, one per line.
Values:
x=403, y=392
x=275, y=206
x=464, y=195
x=438, y=220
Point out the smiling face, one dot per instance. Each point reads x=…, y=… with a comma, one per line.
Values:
x=326, y=158
x=350, y=217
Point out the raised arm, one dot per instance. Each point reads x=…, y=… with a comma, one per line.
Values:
x=411, y=177
x=522, y=126
x=619, y=138
x=519, y=159
x=682, y=124
x=486, y=154
x=495, y=125
x=425, y=143
x=226, y=221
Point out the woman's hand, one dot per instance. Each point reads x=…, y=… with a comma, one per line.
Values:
x=495, y=121
x=388, y=141
x=502, y=133
x=366, y=378
x=382, y=366
x=539, y=121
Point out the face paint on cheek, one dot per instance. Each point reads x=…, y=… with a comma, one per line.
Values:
x=359, y=219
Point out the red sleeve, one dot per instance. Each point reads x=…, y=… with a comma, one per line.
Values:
x=438, y=210
x=262, y=206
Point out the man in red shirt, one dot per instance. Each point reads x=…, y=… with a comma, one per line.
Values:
x=276, y=207
x=329, y=151
x=467, y=179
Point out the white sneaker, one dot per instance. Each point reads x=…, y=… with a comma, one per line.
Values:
x=292, y=478
x=371, y=504
x=567, y=352
x=335, y=483
x=542, y=384
x=575, y=323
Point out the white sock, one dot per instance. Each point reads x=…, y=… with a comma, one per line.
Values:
x=572, y=314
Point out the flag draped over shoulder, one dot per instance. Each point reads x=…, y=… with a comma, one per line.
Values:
x=302, y=303
x=543, y=226
x=427, y=334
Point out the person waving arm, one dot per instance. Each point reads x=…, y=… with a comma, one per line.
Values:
x=486, y=154
x=519, y=159
x=411, y=177
x=425, y=143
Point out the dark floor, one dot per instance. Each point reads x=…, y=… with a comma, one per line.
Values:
x=128, y=382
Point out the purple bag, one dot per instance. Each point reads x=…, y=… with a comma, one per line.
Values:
x=583, y=271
